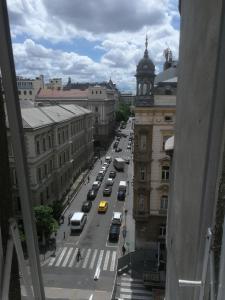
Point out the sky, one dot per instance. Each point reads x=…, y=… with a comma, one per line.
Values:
x=91, y=40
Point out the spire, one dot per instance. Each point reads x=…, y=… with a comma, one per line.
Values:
x=146, y=43
x=146, y=47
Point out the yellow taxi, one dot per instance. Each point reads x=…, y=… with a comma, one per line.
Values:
x=102, y=206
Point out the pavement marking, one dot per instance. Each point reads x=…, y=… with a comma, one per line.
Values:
x=111, y=246
x=93, y=259
x=61, y=257
x=106, y=260
x=135, y=291
x=67, y=257
x=52, y=260
x=113, y=262
x=100, y=258
x=131, y=284
x=136, y=297
x=86, y=259
x=73, y=258
x=131, y=279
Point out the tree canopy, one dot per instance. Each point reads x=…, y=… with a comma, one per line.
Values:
x=45, y=222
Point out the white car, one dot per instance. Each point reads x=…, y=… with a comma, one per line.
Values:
x=128, y=146
x=109, y=181
x=117, y=218
x=96, y=185
x=103, y=169
x=105, y=165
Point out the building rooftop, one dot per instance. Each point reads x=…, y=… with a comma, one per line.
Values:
x=62, y=94
x=37, y=117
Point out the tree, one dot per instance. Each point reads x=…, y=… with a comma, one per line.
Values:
x=123, y=112
x=45, y=222
x=57, y=208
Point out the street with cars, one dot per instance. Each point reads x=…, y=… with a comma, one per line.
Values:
x=93, y=226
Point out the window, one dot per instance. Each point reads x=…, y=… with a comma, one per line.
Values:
x=46, y=169
x=24, y=92
x=19, y=92
x=96, y=108
x=168, y=118
x=37, y=147
x=39, y=174
x=96, y=92
x=92, y=92
x=49, y=141
x=143, y=142
x=59, y=138
x=141, y=206
x=162, y=230
x=50, y=165
x=42, y=198
x=100, y=92
x=165, y=172
x=30, y=92
x=164, y=202
x=44, y=145
x=142, y=173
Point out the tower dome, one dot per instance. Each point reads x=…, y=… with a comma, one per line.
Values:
x=145, y=65
x=145, y=75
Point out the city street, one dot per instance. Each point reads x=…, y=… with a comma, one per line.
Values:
x=98, y=255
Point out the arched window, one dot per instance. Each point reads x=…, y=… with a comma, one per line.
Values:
x=143, y=142
x=141, y=203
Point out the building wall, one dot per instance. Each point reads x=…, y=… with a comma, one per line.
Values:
x=158, y=125
x=198, y=140
x=56, y=155
x=28, y=88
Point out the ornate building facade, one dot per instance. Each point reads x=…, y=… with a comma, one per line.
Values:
x=154, y=124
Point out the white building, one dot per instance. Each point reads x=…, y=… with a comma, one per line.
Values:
x=28, y=88
x=59, y=144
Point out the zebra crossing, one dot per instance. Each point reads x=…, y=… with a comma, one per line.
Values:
x=133, y=289
x=90, y=259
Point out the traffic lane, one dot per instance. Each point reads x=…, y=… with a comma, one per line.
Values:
x=97, y=231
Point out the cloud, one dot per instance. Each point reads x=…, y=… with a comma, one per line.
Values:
x=43, y=29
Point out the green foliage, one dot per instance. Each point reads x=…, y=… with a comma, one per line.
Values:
x=57, y=208
x=123, y=112
x=45, y=222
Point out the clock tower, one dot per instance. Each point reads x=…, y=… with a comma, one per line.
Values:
x=145, y=75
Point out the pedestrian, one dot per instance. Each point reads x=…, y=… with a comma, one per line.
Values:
x=62, y=219
x=78, y=255
x=123, y=250
x=88, y=178
x=101, y=162
x=64, y=235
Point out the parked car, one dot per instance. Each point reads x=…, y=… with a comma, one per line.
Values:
x=99, y=177
x=114, y=232
x=115, y=145
x=108, y=159
x=107, y=191
x=109, y=182
x=128, y=146
x=121, y=195
x=127, y=160
x=112, y=174
x=102, y=207
x=86, y=206
x=91, y=194
x=118, y=150
x=117, y=218
x=96, y=185
x=106, y=165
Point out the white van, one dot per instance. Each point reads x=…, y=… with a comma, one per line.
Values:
x=117, y=218
x=78, y=221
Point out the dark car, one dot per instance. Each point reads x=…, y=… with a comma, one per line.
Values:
x=86, y=206
x=115, y=145
x=99, y=177
x=107, y=191
x=118, y=150
x=114, y=232
x=112, y=174
x=91, y=194
x=121, y=195
x=127, y=160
